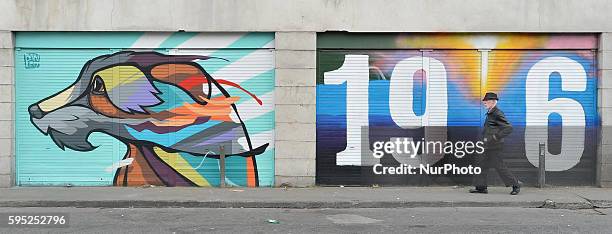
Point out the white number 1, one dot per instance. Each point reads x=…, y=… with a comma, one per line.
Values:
x=355, y=73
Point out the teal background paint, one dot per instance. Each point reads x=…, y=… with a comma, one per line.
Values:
x=62, y=55
x=256, y=40
x=33, y=149
x=80, y=40
x=175, y=40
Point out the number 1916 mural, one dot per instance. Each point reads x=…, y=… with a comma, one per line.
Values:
x=381, y=94
x=172, y=114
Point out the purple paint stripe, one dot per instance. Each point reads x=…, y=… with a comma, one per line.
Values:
x=227, y=136
x=143, y=97
x=150, y=58
x=165, y=172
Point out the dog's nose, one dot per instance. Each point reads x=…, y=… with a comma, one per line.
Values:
x=35, y=111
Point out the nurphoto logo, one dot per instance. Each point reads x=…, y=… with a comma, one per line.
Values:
x=406, y=147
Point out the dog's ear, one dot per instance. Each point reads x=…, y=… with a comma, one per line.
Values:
x=189, y=77
x=127, y=87
x=182, y=71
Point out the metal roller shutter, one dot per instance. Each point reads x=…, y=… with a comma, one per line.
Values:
x=157, y=106
x=39, y=160
x=547, y=87
x=397, y=108
x=550, y=97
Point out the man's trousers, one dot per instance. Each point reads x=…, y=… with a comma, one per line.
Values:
x=493, y=158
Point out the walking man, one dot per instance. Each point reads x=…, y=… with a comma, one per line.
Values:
x=496, y=127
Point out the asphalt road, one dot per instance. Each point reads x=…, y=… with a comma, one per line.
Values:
x=376, y=220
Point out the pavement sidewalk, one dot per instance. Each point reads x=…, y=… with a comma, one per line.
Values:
x=315, y=197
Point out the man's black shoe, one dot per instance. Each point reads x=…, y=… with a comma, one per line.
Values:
x=516, y=189
x=479, y=191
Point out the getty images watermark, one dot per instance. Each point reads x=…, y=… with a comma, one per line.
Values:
x=410, y=148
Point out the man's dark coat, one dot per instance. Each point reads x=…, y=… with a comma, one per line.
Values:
x=496, y=128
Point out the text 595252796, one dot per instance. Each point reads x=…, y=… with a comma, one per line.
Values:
x=34, y=220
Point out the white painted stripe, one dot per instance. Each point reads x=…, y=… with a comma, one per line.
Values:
x=257, y=62
x=120, y=164
x=259, y=140
x=270, y=45
x=484, y=69
x=211, y=41
x=250, y=109
x=151, y=40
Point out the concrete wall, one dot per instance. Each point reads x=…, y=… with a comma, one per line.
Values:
x=295, y=108
x=605, y=110
x=307, y=15
x=7, y=102
x=296, y=23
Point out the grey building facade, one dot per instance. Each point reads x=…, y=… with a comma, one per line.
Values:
x=296, y=26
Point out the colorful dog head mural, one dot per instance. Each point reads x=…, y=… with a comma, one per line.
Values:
x=121, y=95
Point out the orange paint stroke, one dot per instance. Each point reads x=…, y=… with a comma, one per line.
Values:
x=250, y=172
x=218, y=109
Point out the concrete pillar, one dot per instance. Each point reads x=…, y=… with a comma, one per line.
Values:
x=7, y=104
x=295, y=108
x=604, y=104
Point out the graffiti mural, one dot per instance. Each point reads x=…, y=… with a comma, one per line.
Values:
x=427, y=88
x=169, y=116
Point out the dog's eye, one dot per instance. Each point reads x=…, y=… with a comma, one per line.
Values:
x=98, y=86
